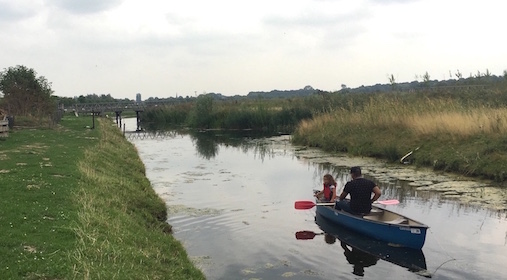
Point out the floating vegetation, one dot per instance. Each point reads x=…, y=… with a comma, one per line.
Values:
x=201, y=261
x=182, y=209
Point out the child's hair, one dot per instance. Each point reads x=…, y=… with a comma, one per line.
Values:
x=331, y=179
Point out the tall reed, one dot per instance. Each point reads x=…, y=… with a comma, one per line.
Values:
x=453, y=135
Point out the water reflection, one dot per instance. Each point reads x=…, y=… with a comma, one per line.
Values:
x=145, y=135
x=206, y=145
x=362, y=252
x=357, y=258
x=207, y=142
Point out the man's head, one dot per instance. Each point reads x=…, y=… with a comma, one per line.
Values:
x=355, y=172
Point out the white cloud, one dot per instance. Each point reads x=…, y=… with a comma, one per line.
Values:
x=14, y=11
x=84, y=6
x=161, y=48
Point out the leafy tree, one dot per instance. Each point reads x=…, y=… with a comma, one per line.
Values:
x=65, y=101
x=25, y=94
x=94, y=98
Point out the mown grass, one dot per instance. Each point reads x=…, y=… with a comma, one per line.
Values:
x=451, y=135
x=39, y=176
x=76, y=205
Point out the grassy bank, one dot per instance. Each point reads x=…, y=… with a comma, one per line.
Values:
x=76, y=205
x=445, y=132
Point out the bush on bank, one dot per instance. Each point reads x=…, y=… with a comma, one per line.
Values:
x=206, y=113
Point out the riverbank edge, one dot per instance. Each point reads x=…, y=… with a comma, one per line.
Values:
x=122, y=227
x=475, y=157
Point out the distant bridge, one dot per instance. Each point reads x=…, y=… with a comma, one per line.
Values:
x=97, y=109
x=118, y=106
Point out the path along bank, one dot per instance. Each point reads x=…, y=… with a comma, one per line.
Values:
x=77, y=205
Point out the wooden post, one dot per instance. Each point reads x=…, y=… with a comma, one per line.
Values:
x=118, y=118
x=4, y=127
x=138, y=120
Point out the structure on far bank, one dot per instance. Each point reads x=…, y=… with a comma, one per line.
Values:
x=4, y=124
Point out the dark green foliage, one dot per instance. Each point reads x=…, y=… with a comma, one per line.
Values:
x=306, y=91
x=25, y=94
x=205, y=112
x=89, y=98
x=237, y=119
x=201, y=115
x=172, y=115
x=391, y=153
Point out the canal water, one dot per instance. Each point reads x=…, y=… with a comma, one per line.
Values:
x=231, y=203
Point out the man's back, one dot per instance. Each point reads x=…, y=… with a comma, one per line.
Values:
x=360, y=190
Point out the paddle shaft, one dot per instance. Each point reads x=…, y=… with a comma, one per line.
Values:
x=306, y=204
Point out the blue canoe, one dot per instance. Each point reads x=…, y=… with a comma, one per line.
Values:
x=381, y=224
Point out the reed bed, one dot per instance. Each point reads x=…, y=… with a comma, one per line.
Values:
x=453, y=135
x=424, y=118
x=475, y=121
x=206, y=113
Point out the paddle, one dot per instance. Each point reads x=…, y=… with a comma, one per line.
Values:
x=307, y=204
x=306, y=235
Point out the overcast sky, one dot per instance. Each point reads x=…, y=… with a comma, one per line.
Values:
x=163, y=48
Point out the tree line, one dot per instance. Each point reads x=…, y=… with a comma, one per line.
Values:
x=27, y=94
x=23, y=93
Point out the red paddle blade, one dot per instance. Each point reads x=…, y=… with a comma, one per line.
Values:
x=304, y=204
x=305, y=235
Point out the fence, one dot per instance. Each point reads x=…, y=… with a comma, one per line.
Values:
x=4, y=127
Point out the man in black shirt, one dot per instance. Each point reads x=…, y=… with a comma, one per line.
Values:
x=360, y=190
